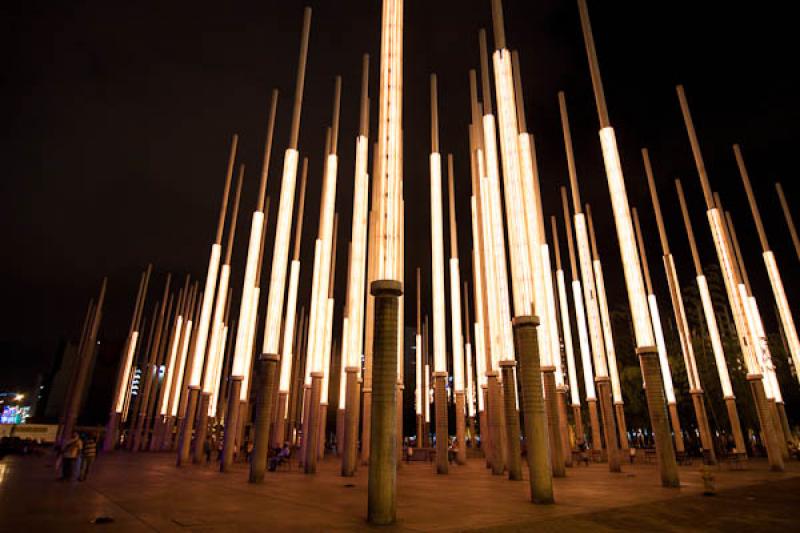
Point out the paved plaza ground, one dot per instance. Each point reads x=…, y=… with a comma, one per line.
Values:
x=145, y=492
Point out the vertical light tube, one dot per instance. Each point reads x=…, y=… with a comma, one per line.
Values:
x=205, y=316
x=248, y=284
x=437, y=265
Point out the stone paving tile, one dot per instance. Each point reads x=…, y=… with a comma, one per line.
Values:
x=146, y=492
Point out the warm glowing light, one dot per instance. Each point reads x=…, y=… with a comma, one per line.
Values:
x=583, y=337
x=178, y=388
x=314, y=312
x=683, y=326
x=480, y=367
x=716, y=341
x=552, y=323
x=280, y=253
x=212, y=405
x=242, y=330
x=210, y=383
x=437, y=264
x=418, y=366
x=590, y=296
x=288, y=329
x=251, y=335
x=605, y=318
x=783, y=308
x=642, y=325
x=205, y=316
x=455, y=323
x=470, y=383
x=123, y=385
x=326, y=356
x=766, y=357
x=567, y=329
x=669, y=391
x=427, y=393
x=357, y=282
x=492, y=300
x=173, y=355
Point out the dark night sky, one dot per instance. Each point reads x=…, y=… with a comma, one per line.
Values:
x=117, y=118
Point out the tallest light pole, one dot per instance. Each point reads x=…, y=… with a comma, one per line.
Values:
x=643, y=329
x=386, y=289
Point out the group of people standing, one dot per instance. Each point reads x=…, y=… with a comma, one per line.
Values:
x=78, y=450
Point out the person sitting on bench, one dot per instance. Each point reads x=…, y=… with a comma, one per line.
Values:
x=280, y=458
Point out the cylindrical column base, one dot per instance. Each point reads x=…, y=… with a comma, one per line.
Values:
x=594, y=421
x=340, y=432
x=420, y=431
x=382, y=484
x=201, y=428
x=609, y=425
x=767, y=427
x=366, y=425
x=279, y=420
x=494, y=401
x=776, y=422
x=676, y=427
x=312, y=437
x=787, y=432
x=461, y=429
x=651, y=369
x=112, y=432
x=305, y=422
x=551, y=406
x=527, y=348
x=266, y=367
x=513, y=453
x=399, y=400
x=622, y=427
x=577, y=417
x=486, y=439
x=350, y=436
x=442, y=433
x=229, y=443
x=736, y=425
x=185, y=439
x=702, y=424
x=322, y=435
x=563, y=426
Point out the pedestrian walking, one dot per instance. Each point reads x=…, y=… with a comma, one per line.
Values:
x=88, y=455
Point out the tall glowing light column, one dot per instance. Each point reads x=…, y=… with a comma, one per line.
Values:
x=352, y=352
x=469, y=367
x=608, y=335
x=533, y=356
x=455, y=323
x=126, y=363
x=713, y=330
x=643, y=328
x=690, y=363
x=727, y=262
x=195, y=368
x=583, y=335
x=789, y=222
x=386, y=289
x=784, y=311
x=604, y=385
x=437, y=288
x=419, y=392
x=289, y=326
x=566, y=328
x=660, y=343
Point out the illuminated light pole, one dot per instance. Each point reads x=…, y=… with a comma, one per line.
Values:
x=739, y=306
x=150, y=373
x=643, y=326
x=386, y=289
x=328, y=337
x=427, y=398
x=500, y=334
x=151, y=413
x=195, y=366
x=481, y=277
x=566, y=328
x=177, y=400
x=126, y=362
x=608, y=336
x=583, y=335
x=223, y=362
x=437, y=284
x=459, y=388
x=784, y=311
x=772, y=388
x=532, y=359
x=279, y=431
x=599, y=348
x=660, y=343
x=470, y=372
x=132, y=408
x=539, y=260
x=419, y=393
x=789, y=221
x=690, y=363
x=353, y=350
x=85, y=357
x=87, y=322
x=713, y=330
x=171, y=348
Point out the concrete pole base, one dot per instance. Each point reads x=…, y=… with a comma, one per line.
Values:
x=609, y=425
x=266, y=367
x=787, y=432
x=366, y=425
x=305, y=423
x=442, y=433
x=779, y=436
x=594, y=420
x=112, y=433
x=399, y=400
x=665, y=452
x=420, y=431
x=350, y=443
x=201, y=428
x=736, y=425
x=553, y=429
x=231, y=424
x=185, y=438
x=382, y=484
x=279, y=420
x=486, y=439
x=622, y=427
x=767, y=427
x=461, y=429
x=702, y=424
x=537, y=441
x=514, y=453
x=340, y=432
x=314, y=412
x=676, y=427
x=577, y=417
x=496, y=428
x=563, y=426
